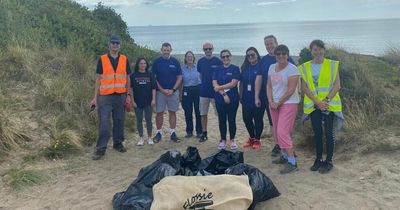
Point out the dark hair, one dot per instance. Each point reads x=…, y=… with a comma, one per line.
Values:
x=246, y=62
x=138, y=61
x=271, y=36
x=224, y=50
x=194, y=57
x=166, y=44
x=317, y=42
x=281, y=48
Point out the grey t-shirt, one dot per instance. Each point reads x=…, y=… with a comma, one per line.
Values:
x=315, y=70
x=279, y=82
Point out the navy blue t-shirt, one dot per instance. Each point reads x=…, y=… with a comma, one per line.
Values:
x=248, y=81
x=166, y=71
x=206, y=67
x=266, y=62
x=142, y=85
x=223, y=76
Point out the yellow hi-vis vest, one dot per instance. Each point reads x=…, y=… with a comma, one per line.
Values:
x=326, y=80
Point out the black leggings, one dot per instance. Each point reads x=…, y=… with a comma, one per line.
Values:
x=227, y=112
x=317, y=117
x=253, y=120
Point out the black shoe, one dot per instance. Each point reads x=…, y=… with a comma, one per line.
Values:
x=98, y=155
x=119, y=148
x=289, y=168
x=157, y=138
x=203, y=138
x=326, y=167
x=175, y=138
x=317, y=164
x=276, y=151
x=188, y=135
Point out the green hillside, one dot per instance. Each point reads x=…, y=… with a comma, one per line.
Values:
x=48, y=53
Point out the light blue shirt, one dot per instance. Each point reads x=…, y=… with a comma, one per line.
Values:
x=191, y=77
x=315, y=70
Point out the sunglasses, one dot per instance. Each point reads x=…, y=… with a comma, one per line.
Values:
x=280, y=53
x=207, y=49
x=114, y=42
x=252, y=55
x=225, y=56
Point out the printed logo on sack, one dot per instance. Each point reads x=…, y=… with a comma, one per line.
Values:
x=199, y=201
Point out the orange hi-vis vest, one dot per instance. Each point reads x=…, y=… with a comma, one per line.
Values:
x=113, y=81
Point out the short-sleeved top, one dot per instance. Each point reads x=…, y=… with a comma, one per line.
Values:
x=248, y=80
x=143, y=85
x=279, y=82
x=266, y=62
x=114, y=63
x=166, y=71
x=190, y=76
x=206, y=67
x=315, y=70
x=224, y=76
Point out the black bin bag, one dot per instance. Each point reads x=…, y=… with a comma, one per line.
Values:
x=218, y=162
x=139, y=194
x=261, y=186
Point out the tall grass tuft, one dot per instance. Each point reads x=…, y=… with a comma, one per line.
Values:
x=21, y=178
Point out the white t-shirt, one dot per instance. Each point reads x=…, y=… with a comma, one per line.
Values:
x=279, y=82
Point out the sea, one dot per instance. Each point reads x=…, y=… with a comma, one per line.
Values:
x=372, y=37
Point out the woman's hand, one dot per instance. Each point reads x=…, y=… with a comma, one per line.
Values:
x=274, y=105
x=153, y=102
x=322, y=105
x=217, y=88
x=258, y=102
x=227, y=99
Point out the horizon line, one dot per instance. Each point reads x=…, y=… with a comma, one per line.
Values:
x=262, y=22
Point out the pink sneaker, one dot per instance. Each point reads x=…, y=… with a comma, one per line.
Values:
x=233, y=145
x=221, y=144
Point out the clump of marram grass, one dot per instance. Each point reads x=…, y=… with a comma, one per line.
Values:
x=12, y=135
x=64, y=142
x=21, y=178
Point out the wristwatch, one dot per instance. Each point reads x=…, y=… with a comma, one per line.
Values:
x=174, y=90
x=223, y=94
x=327, y=99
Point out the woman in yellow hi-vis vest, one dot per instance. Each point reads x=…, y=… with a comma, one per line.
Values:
x=321, y=85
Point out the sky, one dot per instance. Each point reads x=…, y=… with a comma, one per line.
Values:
x=191, y=12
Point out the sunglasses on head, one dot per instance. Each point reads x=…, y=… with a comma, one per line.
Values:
x=225, y=56
x=280, y=53
x=208, y=49
x=114, y=42
x=252, y=55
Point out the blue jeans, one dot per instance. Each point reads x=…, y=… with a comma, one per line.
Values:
x=110, y=105
x=190, y=101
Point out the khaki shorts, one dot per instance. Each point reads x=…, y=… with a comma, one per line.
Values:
x=170, y=102
x=205, y=105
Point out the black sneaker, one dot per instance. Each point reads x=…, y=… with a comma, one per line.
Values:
x=280, y=160
x=119, y=148
x=175, y=138
x=276, y=151
x=317, y=164
x=326, y=167
x=157, y=138
x=188, y=135
x=289, y=168
x=203, y=138
x=98, y=155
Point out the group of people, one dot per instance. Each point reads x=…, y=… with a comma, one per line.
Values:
x=270, y=84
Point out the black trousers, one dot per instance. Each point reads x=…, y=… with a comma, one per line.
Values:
x=319, y=120
x=253, y=120
x=190, y=102
x=227, y=113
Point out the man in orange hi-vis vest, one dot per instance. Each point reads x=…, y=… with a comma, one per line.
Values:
x=110, y=96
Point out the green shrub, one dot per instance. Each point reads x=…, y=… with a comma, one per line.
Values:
x=21, y=178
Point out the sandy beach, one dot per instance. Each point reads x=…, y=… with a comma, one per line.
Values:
x=357, y=182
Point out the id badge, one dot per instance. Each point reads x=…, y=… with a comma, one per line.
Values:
x=248, y=87
x=185, y=93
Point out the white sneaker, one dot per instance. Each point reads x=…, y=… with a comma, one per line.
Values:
x=150, y=141
x=140, y=142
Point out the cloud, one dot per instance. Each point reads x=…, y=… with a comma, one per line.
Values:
x=237, y=10
x=266, y=3
x=189, y=4
x=111, y=3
